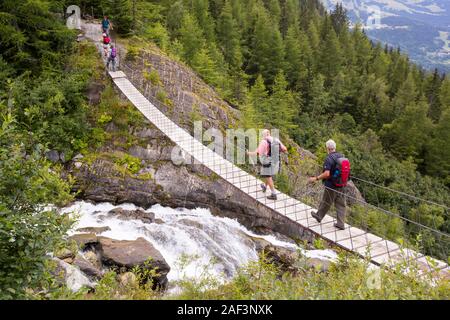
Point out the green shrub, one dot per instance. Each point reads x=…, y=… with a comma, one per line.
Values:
x=104, y=118
x=132, y=53
x=28, y=230
x=161, y=95
x=132, y=164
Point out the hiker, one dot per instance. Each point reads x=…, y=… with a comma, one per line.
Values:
x=269, y=153
x=112, y=58
x=336, y=171
x=106, y=43
x=106, y=24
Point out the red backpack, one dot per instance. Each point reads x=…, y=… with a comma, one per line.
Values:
x=341, y=172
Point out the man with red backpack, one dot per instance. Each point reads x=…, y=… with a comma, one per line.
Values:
x=336, y=172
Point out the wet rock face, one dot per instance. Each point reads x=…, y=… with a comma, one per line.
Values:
x=135, y=253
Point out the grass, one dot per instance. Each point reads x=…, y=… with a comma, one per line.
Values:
x=349, y=278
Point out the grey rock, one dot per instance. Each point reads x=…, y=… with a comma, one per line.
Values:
x=143, y=153
x=321, y=265
x=87, y=267
x=94, y=230
x=146, y=217
x=71, y=276
x=52, y=155
x=94, y=258
x=78, y=157
x=64, y=254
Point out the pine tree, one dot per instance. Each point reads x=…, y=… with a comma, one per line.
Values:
x=289, y=16
x=258, y=98
x=319, y=97
x=407, y=135
x=273, y=6
x=200, y=9
x=229, y=37
x=438, y=153
x=362, y=49
x=432, y=88
x=267, y=49
x=330, y=57
x=339, y=18
x=191, y=37
x=380, y=62
x=406, y=95
x=282, y=105
x=204, y=65
x=397, y=74
x=174, y=18
x=314, y=42
x=294, y=67
x=121, y=15
x=372, y=102
x=444, y=94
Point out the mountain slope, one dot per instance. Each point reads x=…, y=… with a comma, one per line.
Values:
x=419, y=27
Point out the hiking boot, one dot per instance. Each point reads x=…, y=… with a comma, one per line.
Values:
x=263, y=187
x=313, y=214
x=272, y=197
x=339, y=226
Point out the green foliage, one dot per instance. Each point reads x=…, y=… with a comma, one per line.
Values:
x=121, y=14
x=153, y=77
x=28, y=229
x=132, y=164
x=348, y=279
x=104, y=118
x=161, y=95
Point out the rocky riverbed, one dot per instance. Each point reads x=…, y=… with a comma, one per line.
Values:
x=179, y=243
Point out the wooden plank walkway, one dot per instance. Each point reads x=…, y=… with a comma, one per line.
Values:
x=382, y=251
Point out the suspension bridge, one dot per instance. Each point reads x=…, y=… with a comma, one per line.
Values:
x=357, y=240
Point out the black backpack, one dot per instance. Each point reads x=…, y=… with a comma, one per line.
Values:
x=269, y=154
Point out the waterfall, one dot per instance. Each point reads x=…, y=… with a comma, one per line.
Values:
x=216, y=244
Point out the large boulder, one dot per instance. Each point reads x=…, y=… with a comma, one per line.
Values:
x=128, y=254
x=122, y=214
x=84, y=240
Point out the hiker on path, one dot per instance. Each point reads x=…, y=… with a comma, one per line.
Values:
x=112, y=58
x=336, y=171
x=269, y=152
x=106, y=25
x=106, y=43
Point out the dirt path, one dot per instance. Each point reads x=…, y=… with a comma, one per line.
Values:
x=93, y=31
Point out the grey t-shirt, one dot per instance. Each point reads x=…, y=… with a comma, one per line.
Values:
x=330, y=164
